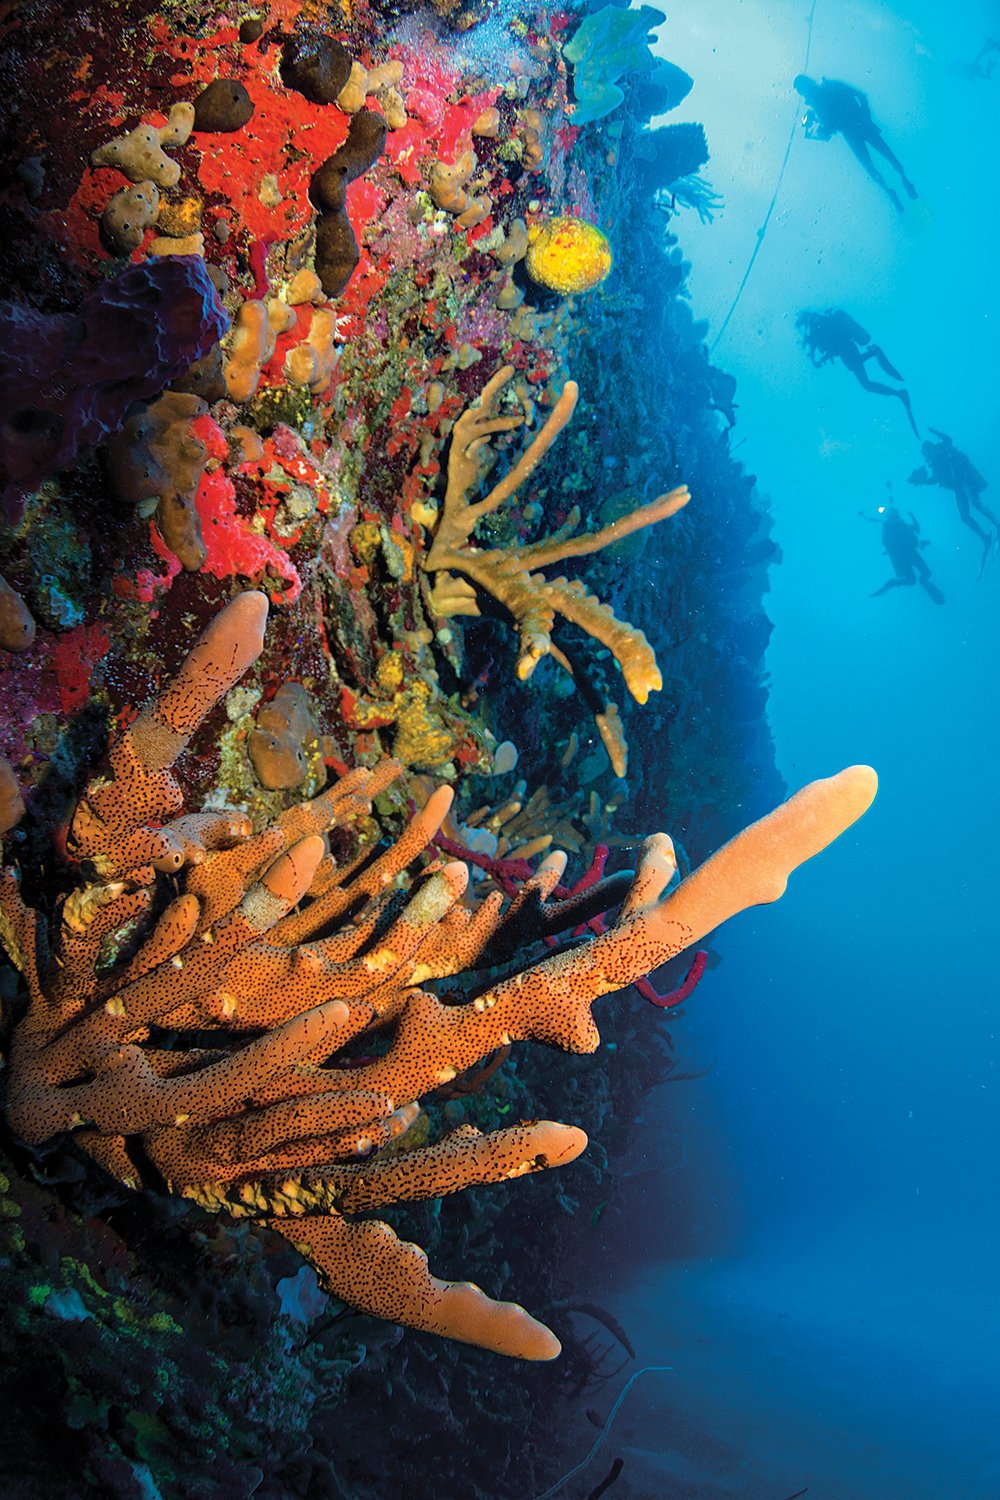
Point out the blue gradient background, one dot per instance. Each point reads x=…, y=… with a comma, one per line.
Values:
x=819, y=1261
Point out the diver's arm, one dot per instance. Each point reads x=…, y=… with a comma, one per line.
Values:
x=920, y=476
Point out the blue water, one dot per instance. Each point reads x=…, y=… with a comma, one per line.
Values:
x=820, y=1270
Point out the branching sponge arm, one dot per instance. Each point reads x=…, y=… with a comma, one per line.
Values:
x=551, y=1002
x=464, y=572
x=754, y=867
x=371, y=1268
x=210, y=934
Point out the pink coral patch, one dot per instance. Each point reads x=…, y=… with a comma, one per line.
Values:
x=73, y=659
x=232, y=547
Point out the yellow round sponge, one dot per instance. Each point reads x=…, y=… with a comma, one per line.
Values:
x=568, y=255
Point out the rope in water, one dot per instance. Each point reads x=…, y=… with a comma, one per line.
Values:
x=774, y=197
x=646, y=1370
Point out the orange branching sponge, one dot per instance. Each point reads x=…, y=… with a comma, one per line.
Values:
x=514, y=577
x=185, y=1015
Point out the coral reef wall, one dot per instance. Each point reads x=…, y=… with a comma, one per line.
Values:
x=260, y=260
x=307, y=451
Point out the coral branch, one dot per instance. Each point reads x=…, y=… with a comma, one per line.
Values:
x=510, y=576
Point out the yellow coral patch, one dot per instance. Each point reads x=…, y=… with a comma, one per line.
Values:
x=568, y=255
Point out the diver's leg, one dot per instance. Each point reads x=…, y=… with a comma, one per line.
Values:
x=893, y=583
x=905, y=576
x=962, y=501
x=878, y=389
x=874, y=351
x=877, y=143
x=984, y=510
x=904, y=396
x=926, y=582
x=875, y=386
x=861, y=152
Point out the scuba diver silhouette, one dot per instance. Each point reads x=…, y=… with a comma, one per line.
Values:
x=834, y=334
x=835, y=108
x=950, y=469
x=902, y=544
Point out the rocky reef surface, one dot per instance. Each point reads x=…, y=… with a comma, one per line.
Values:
x=379, y=310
